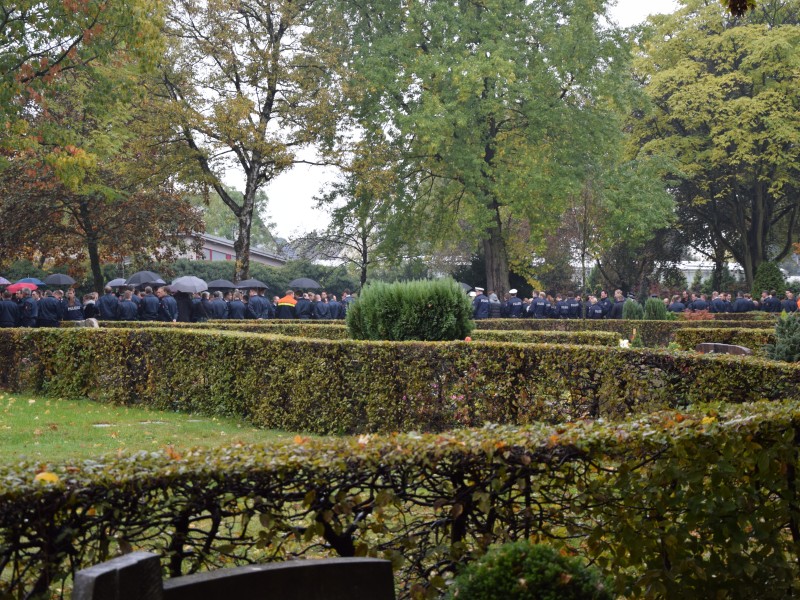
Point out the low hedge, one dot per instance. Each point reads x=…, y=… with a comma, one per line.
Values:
x=755, y=339
x=653, y=333
x=340, y=332
x=350, y=386
x=689, y=505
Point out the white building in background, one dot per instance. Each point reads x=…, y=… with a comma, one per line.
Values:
x=690, y=268
x=218, y=248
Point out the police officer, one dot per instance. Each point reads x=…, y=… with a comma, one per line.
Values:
x=594, y=310
x=257, y=306
x=9, y=311
x=49, y=311
x=236, y=308
x=540, y=307
x=128, y=311
x=150, y=306
x=605, y=303
x=304, y=309
x=513, y=306
x=575, y=306
x=29, y=309
x=480, y=305
x=789, y=304
x=108, y=305
x=562, y=307
x=218, y=308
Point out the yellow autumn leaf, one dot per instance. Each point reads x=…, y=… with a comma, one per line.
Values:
x=47, y=477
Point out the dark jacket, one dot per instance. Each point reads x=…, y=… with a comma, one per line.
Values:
x=285, y=308
x=168, y=310
x=335, y=310
x=128, y=311
x=677, y=307
x=236, y=309
x=201, y=310
x=320, y=310
x=49, y=312
x=258, y=307
x=480, y=307
x=29, y=310
x=108, y=307
x=149, y=308
x=616, y=310
x=71, y=313
x=304, y=309
x=9, y=314
x=513, y=308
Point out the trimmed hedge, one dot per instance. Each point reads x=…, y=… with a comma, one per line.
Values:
x=755, y=339
x=653, y=333
x=340, y=332
x=692, y=505
x=353, y=387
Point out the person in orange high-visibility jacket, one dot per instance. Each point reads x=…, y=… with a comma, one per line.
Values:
x=285, y=309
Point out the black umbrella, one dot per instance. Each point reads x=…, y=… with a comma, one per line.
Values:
x=252, y=283
x=145, y=277
x=119, y=281
x=304, y=283
x=220, y=284
x=465, y=286
x=59, y=279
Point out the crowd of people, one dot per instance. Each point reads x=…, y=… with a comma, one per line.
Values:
x=574, y=306
x=32, y=308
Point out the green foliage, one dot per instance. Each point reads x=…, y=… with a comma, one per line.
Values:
x=414, y=310
x=654, y=310
x=525, y=571
x=787, y=339
x=768, y=278
x=692, y=505
x=348, y=386
x=632, y=310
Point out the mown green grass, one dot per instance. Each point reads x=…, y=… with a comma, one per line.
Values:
x=56, y=429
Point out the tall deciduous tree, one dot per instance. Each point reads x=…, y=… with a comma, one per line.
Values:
x=41, y=38
x=726, y=112
x=497, y=108
x=249, y=85
x=86, y=184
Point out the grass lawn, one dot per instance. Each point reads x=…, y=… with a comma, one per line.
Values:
x=53, y=429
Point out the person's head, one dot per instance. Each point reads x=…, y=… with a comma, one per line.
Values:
x=127, y=294
x=603, y=294
x=204, y=295
x=773, y=293
x=253, y=292
x=512, y=292
x=289, y=293
x=675, y=298
x=218, y=295
x=324, y=295
x=275, y=299
x=48, y=294
x=318, y=298
x=58, y=294
x=618, y=295
x=237, y=295
x=107, y=289
x=228, y=295
x=345, y=294
x=148, y=290
x=161, y=292
x=789, y=295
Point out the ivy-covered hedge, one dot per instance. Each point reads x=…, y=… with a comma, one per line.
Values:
x=354, y=387
x=653, y=333
x=755, y=339
x=691, y=505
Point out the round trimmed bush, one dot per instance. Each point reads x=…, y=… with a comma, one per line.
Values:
x=428, y=310
x=525, y=571
x=632, y=310
x=654, y=310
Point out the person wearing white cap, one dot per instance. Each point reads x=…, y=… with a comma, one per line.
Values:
x=480, y=305
x=513, y=306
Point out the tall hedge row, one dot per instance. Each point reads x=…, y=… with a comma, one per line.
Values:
x=690, y=505
x=354, y=387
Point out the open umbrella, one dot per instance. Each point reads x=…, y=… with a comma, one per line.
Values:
x=220, y=284
x=15, y=287
x=119, y=281
x=59, y=279
x=189, y=284
x=33, y=280
x=304, y=283
x=145, y=277
x=252, y=283
x=4, y=281
x=465, y=286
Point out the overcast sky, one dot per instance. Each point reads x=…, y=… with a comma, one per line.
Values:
x=291, y=207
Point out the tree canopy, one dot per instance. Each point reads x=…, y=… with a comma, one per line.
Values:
x=725, y=97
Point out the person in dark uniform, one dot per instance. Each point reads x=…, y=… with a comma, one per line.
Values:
x=304, y=309
x=539, y=307
x=150, y=306
x=108, y=306
x=513, y=307
x=334, y=308
x=605, y=303
x=676, y=306
x=29, y=309
x=71, y=309
x=480, y=305
x=168, y=306
x=575, y=306
x=740, y=305
x=128, y=311
x=319, y=308
x=201, y=308
x=257, y=307
x=717, y=303
x=594, y=310
x=616, y=309
x=237, y=308
x=700, y=302
x=789, y=304
x=562, y=307
x=183, y=301
x=49, y=311
x=9, y=311
x=218, y=307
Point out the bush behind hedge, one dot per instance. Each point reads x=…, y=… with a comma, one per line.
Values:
x=754, y=339
x=427, y=310
x=691, y=505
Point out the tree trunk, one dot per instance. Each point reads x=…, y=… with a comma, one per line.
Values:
x=364, y=258
x=92, y=245
x=242, y=246
x=494, y=249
